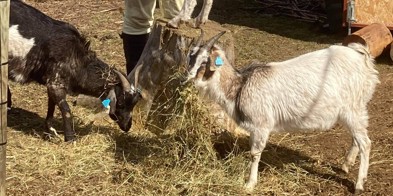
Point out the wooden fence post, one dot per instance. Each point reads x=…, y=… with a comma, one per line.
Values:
x=4, y=25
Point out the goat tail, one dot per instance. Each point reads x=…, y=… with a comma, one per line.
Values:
x=365, y=51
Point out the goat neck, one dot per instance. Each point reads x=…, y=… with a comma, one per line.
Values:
x=222, y=83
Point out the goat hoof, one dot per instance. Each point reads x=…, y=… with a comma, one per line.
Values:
x=173, y=24
x=190, y=22
x=359, y=186
x=70, y=139
x=345, y=168
x=358, y=191
x=249, y=187
x=198, y=24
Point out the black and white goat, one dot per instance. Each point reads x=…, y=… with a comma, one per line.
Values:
x=309, y=92
x=55, y=54
x=187, y=10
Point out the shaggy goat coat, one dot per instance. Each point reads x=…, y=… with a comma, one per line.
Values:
x=309, y=92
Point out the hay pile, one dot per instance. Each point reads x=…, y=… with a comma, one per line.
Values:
x=106, y=161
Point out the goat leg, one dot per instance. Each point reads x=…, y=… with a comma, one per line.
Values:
x=258, y=140
x=49, y=116
x=204, y=14
x=58, y=97
x=351, y=156
x=184, y=14
x=69, y=133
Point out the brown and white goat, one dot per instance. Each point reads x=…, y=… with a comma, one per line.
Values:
x=310, y=92
x=186, y=11
x=53, y=53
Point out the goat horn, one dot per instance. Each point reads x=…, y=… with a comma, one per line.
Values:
x=136, y=76
x=124, y=82
x=213, y=40
x=200, y=38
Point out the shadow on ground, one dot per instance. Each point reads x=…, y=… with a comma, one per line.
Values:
x=136, y=150
x=238, y=12
x=31, y=123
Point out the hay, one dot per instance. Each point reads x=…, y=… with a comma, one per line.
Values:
x=193, y=157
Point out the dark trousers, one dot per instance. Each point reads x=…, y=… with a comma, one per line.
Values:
x=133, y=47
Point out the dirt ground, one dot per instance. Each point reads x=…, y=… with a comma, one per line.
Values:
x=106, y=161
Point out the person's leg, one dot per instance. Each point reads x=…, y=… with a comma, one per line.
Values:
x=133, y=47
x=138, y=20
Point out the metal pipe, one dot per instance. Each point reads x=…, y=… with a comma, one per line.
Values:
x=350, y=14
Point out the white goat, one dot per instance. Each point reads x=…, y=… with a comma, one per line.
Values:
x=309, y=92
x=186, y=11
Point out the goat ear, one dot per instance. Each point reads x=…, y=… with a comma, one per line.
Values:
x=212, y=66
x=112, y=104
x=215, y=60
x=137, y=96
x=201, y=72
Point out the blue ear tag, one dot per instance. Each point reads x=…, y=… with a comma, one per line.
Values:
x=106, y=102
x=219, y=61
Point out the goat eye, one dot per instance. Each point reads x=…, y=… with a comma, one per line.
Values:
x=120, y=105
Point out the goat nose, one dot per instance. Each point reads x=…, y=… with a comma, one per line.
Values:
x=127, y=126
